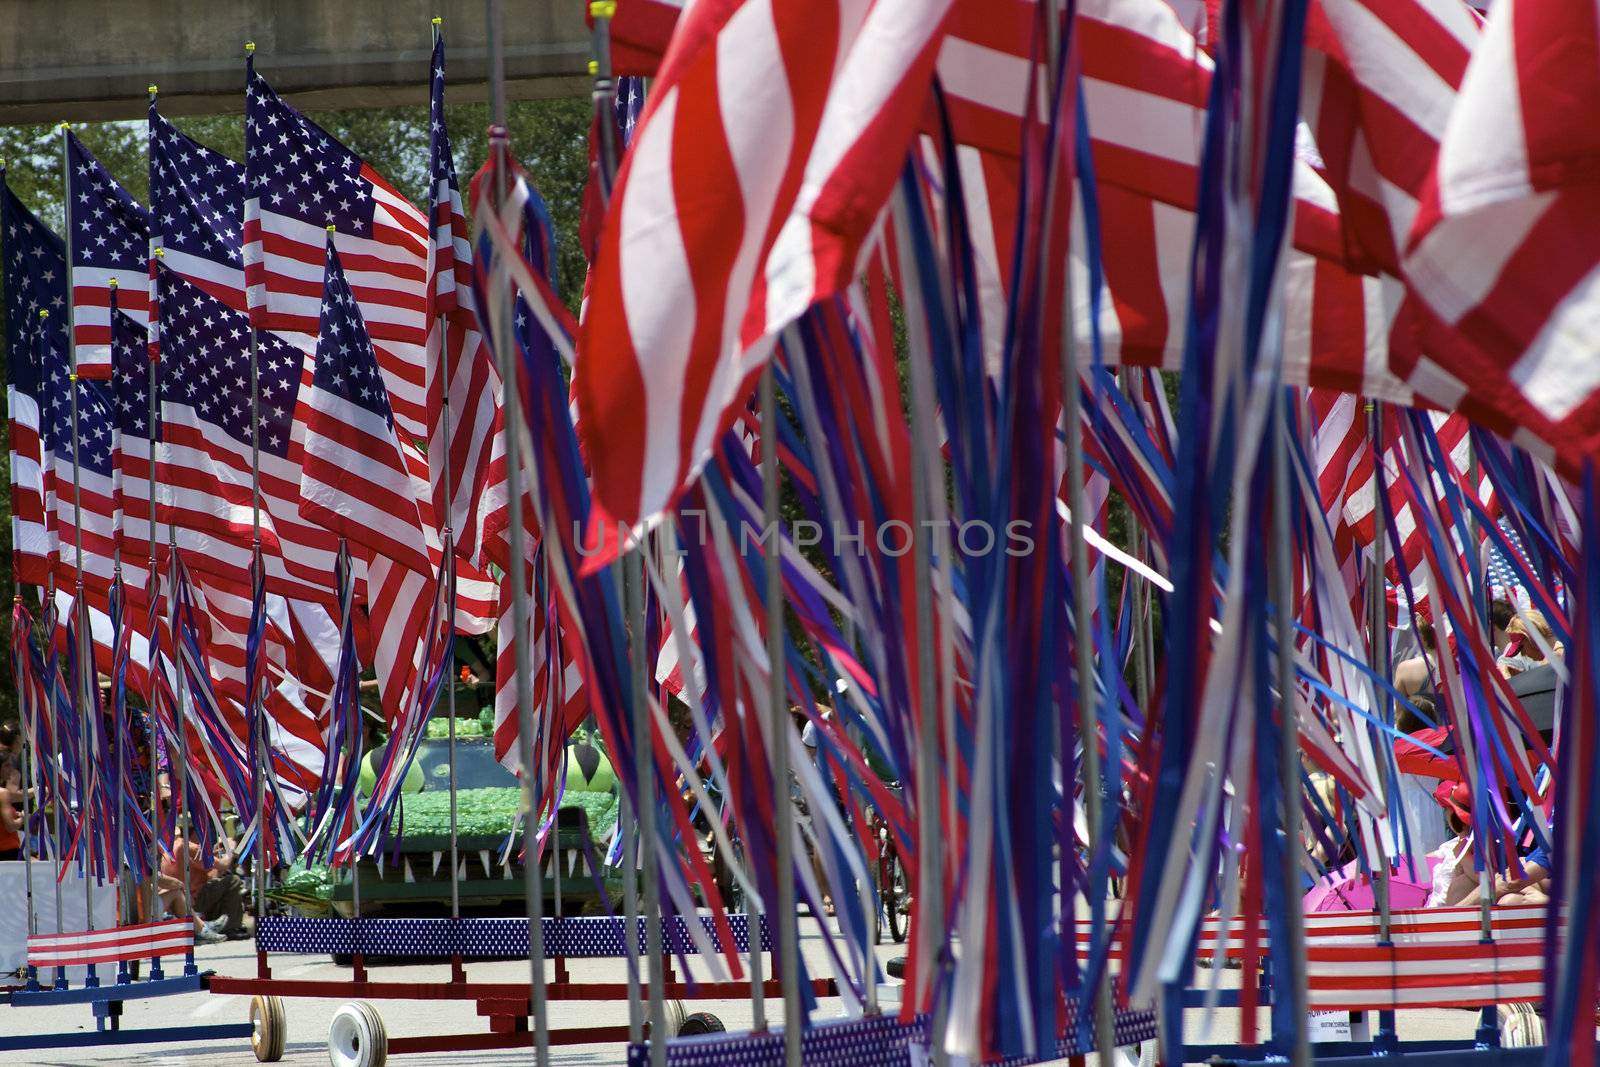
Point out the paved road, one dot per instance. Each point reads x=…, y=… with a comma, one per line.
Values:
x=308, y=1019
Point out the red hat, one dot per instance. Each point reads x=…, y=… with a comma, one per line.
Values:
x=1456, y=797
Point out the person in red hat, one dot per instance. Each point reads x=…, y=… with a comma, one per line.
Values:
x=1453, y=877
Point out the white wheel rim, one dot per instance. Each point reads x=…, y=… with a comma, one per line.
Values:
x=346, y=1040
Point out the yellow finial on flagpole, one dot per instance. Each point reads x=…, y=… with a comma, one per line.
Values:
x=332, y=228
x=44, y=313
x=65, y=126
x=112, y=283
x=594, y=67
x=249, y=47
x=603, y=9
x=437, y=21
x=151, y=88
x=161, y=253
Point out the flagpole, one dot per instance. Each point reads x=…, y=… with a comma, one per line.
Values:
x=87, y=702
x=29, y=758
x=499, y=316
x=794, y=1018
x=457, y=971
x=181, y=794
x=930, y=852
x=1083, y=646
x=152, y=581
x=56, y=791
x=1289, y=733
x=645, y=782
x=118, y=812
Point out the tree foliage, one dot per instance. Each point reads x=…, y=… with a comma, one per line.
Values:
x=548, y=136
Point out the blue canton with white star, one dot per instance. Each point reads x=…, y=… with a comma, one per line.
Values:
x=440, y=159
x=298, y=169
x=95, y=424
x=110, y=229
x=346, y=365
x=35, y=280
x=205, y=363
x=196, y=195
x=130, y=376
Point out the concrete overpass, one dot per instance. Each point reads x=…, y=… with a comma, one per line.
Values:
x=90, y=60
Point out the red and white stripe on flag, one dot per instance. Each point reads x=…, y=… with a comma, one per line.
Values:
x=770, y=143
x=1505, y=249
x=171, y=937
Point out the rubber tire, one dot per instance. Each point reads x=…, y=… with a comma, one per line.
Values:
x=893, y=894
x=356, y=1037
x=1521, y=1026
x=269, y=1033
x=700, y=1023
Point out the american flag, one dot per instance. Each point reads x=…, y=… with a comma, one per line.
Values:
x=628, y=105
x=1504, y=252
x=87, y=508
x=354, y=479
x=812, y=147
x=461, y=370
x=1377, y=98
x=295, y=709
x=197, y=211
x=301, y=181
x=109, y=241
x=35, y=273
x=206, y=441
x=129, y=395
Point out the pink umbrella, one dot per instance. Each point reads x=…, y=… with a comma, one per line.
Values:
x=1349, y=890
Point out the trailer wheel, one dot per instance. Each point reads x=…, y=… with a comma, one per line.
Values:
x=676, y=1013
x=1520, y=1026
x=356, y=1037
x=1140, y=1054
x=269, y=1028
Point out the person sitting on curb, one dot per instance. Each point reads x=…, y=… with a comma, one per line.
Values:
x=216, y=896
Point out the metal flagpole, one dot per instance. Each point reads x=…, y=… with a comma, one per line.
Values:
x=1083, y=645
x=181, y=793
x=151, y=581
x=1138, y=543
x=645, y=777
x=86, y=699
x=783, y=805
x=519, y=451
x=255, y=705
x=603, y=95
x=1378, y=648
x=117, y=807
x=28, y=759
x=1289, y=751
x=56, y=792
x=630, y=915
x=457, y=971
x=930, y=850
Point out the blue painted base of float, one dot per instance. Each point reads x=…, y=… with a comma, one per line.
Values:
x=94, y=1038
